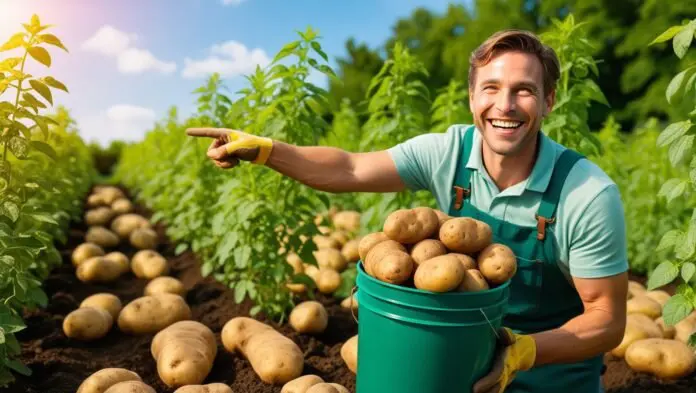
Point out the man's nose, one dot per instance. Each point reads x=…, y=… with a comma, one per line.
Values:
x=505, y=101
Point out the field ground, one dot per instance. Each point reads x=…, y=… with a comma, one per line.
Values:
x=60, y=364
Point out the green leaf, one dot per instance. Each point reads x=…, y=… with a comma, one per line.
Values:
x=669, y=239
x=2, y=336
x=680, y=150
x=44, y=148
x=667, y=34
x=9, y=209
x=52, y=40
x=687, y=271
x=43, y=217
x=240, y=291
x=50, y=81
x=41, y=55
x=286, y=50
x=673, y=188
x=15, y=41
x=42, y=89
x=673, y=132
x=663, y=274
x=18, y=367
x=682, y=40
x=677, y=308
x=38, y=296
x=317, y=48
x=180, y=248
x=11, y=323
x=675, y=85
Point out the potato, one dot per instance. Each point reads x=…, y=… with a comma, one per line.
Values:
x=323, y=241
x=426, y=249
x=125, y=224
x=685, y=328
x=349, y=353
x=101, y=237
x=350, y=250
x=330, y=258
x=216, y=387
x=165, y=284
x=95, y=200
x=348, y=220
x=327, y=388
x=341, y=237
x=638, y=327
x=440, y=274
x=149, y=264
x=395, y=268
x=87, y=323
x=119, y=258
x=369, y=241
x=378, y=252
x=442, y=217
x=659, y=296
x=103, y=379
x=130, y=387
x=122, y=206
x=301, y=384
x=294, y=260
x=466, y=261
x=275, y=358
x=312, y=271
x=497, y=263
x=328, y=280
x=465, y=235
x=473, y=281
x=667, y=359
x=98, y=269
x=667, y=331
x=85, y=251
x=644, y=305
x=184, y=352
x=635, y=288
x=100, y=216
x=324, y=230
x=409, y=226
x=350, y=302
x=106, y=301
x=309, y=317
x=144, y=239
x=152, y=313
x=110, y=194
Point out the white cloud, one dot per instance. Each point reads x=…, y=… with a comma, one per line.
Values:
x=232, y=2
x=111, y=42
x=118, y=122
x=229, y=58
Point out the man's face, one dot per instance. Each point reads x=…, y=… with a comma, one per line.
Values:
x=508, y=103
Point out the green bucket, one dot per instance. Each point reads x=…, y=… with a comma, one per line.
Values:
x=415, y=341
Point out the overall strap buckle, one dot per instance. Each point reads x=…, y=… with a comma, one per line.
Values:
x=460, y=193
x=541, y=225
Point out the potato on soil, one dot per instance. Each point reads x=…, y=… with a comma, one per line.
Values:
x=473, y=281
x=131, y=387
x=659, y=296
x=349, y=353
x=87, y=323
x=350, y=302
x=106, y=301
x=122, y=206
x=644, y=305
x=184, y=352
x=312, y=271
x=149, y=264
x=215, y=387
x=327, y=388
x=100, y=216
x=369, y=241
x=85, y=251
x=110, y=194
x=347, y=220
x=409, y=226
x=95, y=200
x=342, y=237
x=667, y=331
x=152, y=313
x=667, y=359
x=98, y=269
x=165, y=284
x=328, y=280
x=309, y=317
x=102, y=237
x=103, y=379
x=426, y=249
x=144, y=239
x=685, y=328
x=635, y=288
x=497, y=263
x=440, y=274
x=395, y=268
x=330, y=258
x=301, y=384
x=294, y=260
x=120, y=258
x=125, y=224
x=638, y=327
x=378, y=252
x=323, y=241
x=275, y=358
x=465, y=235
x=349, y=251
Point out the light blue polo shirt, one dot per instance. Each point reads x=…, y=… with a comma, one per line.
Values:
x=590, y=229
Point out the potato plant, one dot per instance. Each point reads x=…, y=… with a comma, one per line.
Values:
x=45, y=170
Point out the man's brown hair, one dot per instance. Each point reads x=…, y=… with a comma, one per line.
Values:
x=516, y=41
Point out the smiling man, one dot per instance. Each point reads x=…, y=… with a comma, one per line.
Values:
x=559, y=212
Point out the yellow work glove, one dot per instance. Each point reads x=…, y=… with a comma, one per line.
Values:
x=230, y=146
x=516, y=352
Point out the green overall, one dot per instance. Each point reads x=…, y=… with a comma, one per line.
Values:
x=541, y=298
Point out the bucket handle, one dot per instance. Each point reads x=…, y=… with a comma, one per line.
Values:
x=495, y=331
x=352, y=311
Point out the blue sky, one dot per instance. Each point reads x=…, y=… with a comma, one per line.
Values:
x=130, y=60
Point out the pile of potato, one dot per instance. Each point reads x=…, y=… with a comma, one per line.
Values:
x=426, y=249
x=648, y=344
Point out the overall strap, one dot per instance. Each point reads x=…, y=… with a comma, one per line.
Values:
x=462, y=178
x=549, y=201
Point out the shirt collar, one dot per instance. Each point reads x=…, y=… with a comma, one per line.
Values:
x=539, y=179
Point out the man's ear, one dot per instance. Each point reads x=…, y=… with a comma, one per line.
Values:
x=549, y=102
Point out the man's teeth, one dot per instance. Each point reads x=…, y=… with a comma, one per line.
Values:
x=506, y=124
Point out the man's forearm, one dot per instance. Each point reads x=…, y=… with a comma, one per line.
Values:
x=587, y=335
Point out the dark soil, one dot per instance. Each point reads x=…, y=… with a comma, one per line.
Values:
x=60, y=364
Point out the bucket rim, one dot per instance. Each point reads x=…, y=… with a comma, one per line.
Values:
x=453, y=294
